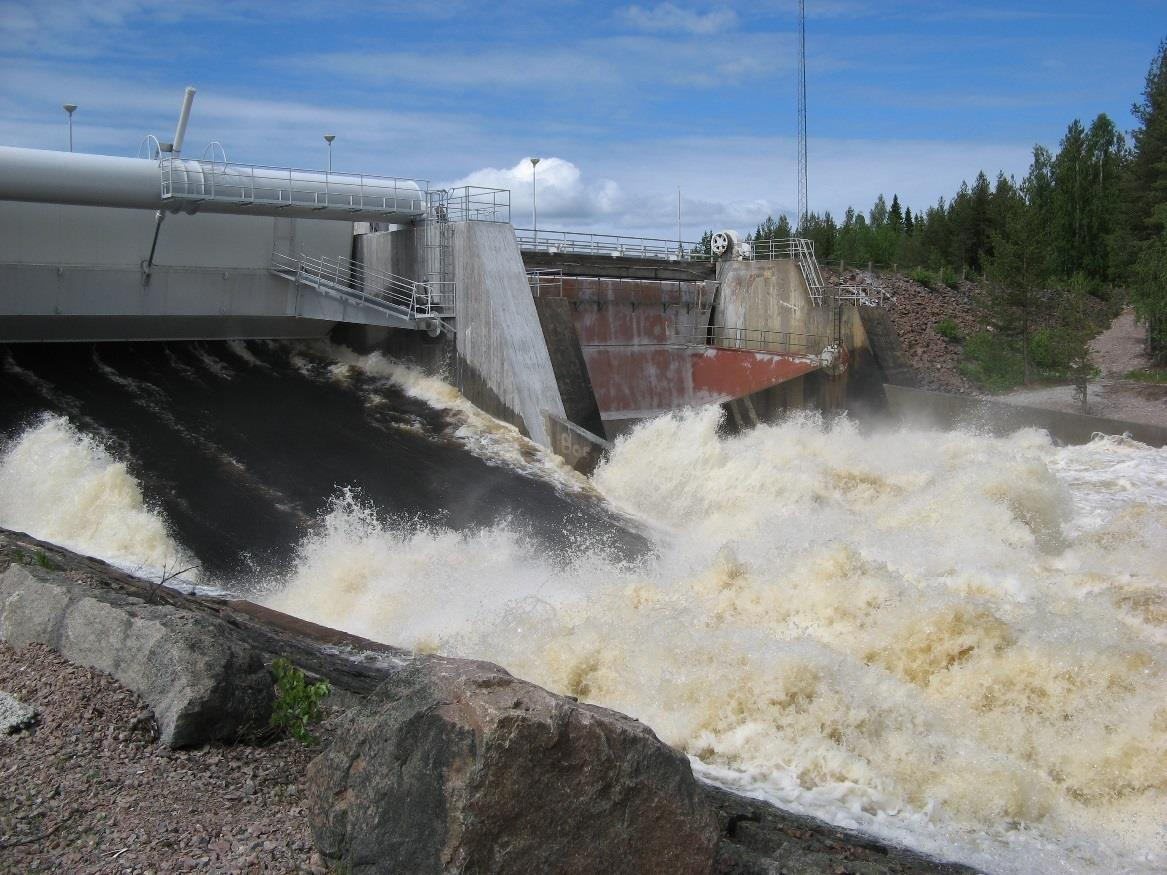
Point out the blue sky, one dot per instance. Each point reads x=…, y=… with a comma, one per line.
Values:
x=625, y=102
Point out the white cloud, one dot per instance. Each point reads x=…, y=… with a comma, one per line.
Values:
x=631, y=189
x=665, y=17
x=561, y=193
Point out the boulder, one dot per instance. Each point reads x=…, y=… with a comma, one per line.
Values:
x=14, y=714
x=456, y=766
x=201, y=682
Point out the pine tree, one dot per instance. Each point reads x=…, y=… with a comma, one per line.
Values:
x=1017, y=275
x=1106, y=155
x=1146, y=180
x=1142, y=250
x=895, y=216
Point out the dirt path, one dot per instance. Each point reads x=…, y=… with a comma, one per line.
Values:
x=1117, y=351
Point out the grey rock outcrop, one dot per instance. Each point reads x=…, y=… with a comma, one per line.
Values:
x=14, y=714
x=456, y=766
x=202, y=684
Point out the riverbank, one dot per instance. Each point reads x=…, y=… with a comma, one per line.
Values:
x=90, y=788
x=1117, y=352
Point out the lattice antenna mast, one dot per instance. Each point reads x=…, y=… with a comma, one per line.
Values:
x=802, y=209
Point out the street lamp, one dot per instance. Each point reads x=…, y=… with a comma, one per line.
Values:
x=534, y=212
x=70, y=108
x=328, y=138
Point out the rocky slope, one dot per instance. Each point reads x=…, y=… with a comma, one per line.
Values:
x=914, y=311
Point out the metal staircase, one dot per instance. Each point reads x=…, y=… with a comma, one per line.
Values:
x=425, y=306
x=808, y=264
x=799, y=249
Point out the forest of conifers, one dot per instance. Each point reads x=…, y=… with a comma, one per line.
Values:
x=1090, y=219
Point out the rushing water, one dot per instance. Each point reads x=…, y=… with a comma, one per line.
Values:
x=951, y=640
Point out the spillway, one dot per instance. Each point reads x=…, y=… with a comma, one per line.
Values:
x=948, y=639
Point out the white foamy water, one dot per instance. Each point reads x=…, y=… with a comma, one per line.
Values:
x=950, y=640
x=63, y=486
x=488, y=438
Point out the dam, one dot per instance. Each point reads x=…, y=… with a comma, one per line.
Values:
x=948, y=638
x=562, y=337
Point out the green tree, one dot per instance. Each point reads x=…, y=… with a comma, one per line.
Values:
x=1016, y=273
x=704, y=245
x=1106, y=155
x=1075, y=329
x=1145, y=185
x=895, y=215
x=1070, y=185
x=1141, y=249
x=823, y=232
x=1149, y=286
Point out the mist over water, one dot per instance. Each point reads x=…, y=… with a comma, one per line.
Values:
x=952, y=640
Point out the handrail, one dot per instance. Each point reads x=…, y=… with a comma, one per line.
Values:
x=609, y=244
x=798, y=249
x=473, y=203
x=755, y=340
x=210, y=180
x=408, y=298
x=550, y=278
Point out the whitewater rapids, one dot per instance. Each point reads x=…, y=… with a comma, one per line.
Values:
x=950, y=640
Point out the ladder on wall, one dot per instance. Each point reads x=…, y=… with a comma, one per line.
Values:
x=438, y=256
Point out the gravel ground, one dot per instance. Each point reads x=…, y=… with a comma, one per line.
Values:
x=89, y=790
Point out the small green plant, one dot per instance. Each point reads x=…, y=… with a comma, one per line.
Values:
x=40, y=558
x=1149, y=375
x=923, y=276
x=949, y=277
x=297, y=703
x=949, y=330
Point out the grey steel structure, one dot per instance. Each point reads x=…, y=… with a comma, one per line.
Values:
x=176, y=184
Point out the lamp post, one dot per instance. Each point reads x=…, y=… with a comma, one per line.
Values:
x=328, y=138
x=70, y=108
x=534, y=212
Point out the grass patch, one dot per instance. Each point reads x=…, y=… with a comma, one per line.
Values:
x=1158, y=376
x=923, y=276
x=949, y=330
x=40, y=558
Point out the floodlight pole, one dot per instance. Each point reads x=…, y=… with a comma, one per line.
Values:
x=70, y=108
x=534, y=211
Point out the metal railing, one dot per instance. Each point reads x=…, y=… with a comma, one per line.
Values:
x=548, y=281
x=797, y=249
x=403, y=297
x=541, y=240
x=756, y=340
x=472, y=203
x=203, y=180
x=862, y=295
